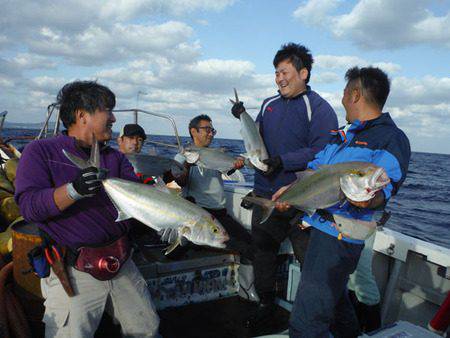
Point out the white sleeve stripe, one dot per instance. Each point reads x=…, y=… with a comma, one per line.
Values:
x=267, y=103
x=308, y=107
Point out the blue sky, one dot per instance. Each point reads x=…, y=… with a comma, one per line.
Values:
x=187, y=55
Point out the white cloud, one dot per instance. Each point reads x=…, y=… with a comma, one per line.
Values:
x=96, y=45
x=325, y=77
x=94, y=32
x=380, y=23
x=313, y=12
x=388, y=67
x=33, y=61
x=333, y=62
x=428, y=90
x=344, y=62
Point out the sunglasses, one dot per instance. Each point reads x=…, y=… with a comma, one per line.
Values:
x=209, y=130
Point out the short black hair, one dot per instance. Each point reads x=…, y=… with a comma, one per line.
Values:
x=195, y=122
x=297, y=54
x=374, y=82
x=86, y=95
x=133, y=129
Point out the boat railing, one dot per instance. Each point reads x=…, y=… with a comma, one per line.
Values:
x=2, y=119
x=44, y=132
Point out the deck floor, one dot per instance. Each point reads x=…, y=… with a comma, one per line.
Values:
x=222, y=318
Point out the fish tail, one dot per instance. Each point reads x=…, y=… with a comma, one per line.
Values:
x=94, y=160
x=77, y=161
x=267, y=206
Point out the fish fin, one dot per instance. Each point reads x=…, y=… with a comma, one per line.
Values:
x=173, y=246
x=301, y=175
x=122, y=216
x=183, y=231
x=77, y=161
x=309, y=212
x=235, y=176
x=266, y=212
x=186, y=230
x=160, y=185
x=267, y=206
x=94, y=160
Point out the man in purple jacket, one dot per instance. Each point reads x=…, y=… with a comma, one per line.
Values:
x=72, y=208
x=295, y=124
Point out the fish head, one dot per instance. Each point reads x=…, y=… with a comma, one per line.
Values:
x=361, y=184
x=208, y=231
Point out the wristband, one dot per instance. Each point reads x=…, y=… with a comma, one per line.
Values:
x=72, y=193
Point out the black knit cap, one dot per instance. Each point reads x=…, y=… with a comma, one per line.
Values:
x=133, y=130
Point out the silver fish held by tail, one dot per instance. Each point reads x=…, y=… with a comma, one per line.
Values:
x=157, y=209
x=254, y=145
x=154, y=165
x=214, y=159
x=329, y=186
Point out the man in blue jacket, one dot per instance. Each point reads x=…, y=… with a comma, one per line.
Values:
x=371, y=136
x=295, y=124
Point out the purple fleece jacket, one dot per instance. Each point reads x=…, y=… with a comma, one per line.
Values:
x=89, y=221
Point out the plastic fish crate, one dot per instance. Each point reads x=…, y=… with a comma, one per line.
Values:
x=199, y=278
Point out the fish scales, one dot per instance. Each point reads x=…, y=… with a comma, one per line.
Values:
x=148, y=204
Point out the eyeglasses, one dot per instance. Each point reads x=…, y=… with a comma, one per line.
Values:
x=209, y=130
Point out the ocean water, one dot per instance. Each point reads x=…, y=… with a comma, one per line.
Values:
x=420, y=209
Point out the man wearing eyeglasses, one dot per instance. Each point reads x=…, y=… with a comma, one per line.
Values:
x=206, y=190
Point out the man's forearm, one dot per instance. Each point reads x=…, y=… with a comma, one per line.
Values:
x=182, y=179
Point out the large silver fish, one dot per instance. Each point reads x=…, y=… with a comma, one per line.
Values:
x=254, y=145
x=329, y=185
x=158, y=209
x=154, y=165
x=215, y=159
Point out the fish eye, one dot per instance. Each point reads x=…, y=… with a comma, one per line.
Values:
x=215, y=230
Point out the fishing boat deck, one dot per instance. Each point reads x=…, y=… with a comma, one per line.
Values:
x=222, y=318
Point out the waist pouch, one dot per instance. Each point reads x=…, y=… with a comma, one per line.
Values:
x=38, y=262
x=104, y=262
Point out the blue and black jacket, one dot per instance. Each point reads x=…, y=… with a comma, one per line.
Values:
x=378, y=141
x=295, y=129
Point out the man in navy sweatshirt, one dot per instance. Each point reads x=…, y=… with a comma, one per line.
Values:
x=295, y=124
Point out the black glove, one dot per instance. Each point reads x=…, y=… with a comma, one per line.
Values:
x=87, y=183
x=237, y=109
x=274, y=164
